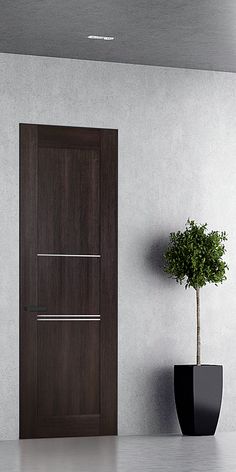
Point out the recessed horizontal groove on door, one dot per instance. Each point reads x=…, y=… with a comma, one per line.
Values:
x=69, y=255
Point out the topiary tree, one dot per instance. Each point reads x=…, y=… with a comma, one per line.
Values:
x=195, y=257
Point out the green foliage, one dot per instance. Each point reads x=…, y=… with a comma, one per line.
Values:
x=195, y=256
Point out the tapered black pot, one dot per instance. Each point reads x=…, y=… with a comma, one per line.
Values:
x=198, y=395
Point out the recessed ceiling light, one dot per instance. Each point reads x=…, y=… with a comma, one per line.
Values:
x=105, y=38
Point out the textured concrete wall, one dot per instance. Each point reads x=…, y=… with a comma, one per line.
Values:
x=177, y=159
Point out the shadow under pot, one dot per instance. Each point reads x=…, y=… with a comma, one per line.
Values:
x=198, y=395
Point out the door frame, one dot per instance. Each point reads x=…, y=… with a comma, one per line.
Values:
x=28, y=224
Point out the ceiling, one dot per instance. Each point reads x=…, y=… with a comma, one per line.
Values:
x=199, y=34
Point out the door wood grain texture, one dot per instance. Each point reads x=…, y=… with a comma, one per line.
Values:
x=68, y=281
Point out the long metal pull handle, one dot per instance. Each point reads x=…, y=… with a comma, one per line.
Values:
x=68, y=255
x=68, y=318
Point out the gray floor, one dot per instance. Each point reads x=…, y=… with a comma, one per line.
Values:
x=121, y=454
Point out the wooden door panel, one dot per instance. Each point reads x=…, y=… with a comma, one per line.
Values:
x=68, y=201
x=69, y=285
x=68, y=281
x=61, y=426
x=69, y=137
x=68, y=368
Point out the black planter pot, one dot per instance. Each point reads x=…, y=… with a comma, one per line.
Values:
x=198, y=395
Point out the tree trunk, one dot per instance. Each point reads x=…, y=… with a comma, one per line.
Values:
x=198, y=327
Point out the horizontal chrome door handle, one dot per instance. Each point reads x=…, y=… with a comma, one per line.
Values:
x=68, y=318
x=69, y=255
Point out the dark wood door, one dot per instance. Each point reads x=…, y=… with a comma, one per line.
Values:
x=68, y=281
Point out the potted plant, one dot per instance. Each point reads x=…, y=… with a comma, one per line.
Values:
x=195, y=257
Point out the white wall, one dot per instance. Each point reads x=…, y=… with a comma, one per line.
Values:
x=177, y=159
